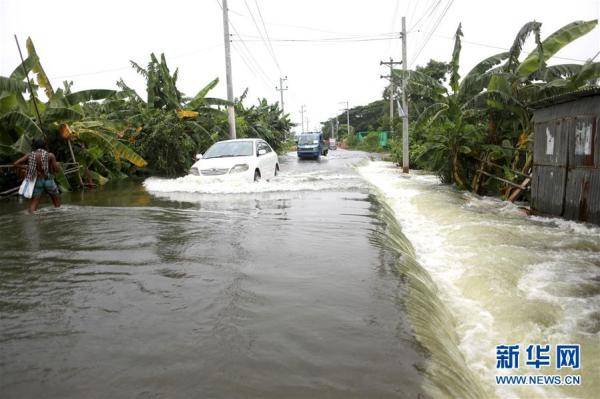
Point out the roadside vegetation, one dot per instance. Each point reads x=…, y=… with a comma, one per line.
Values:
x=461, y=125
x=114, y=134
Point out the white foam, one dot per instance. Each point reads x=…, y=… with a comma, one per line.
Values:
x=311, y=181
x=487, y=257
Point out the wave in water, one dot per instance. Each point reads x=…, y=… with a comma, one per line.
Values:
x=505, y=277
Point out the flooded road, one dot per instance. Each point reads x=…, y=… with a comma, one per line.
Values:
x=337, y=279
x=271, y=290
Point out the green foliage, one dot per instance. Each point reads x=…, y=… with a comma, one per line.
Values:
x=166, y=143
x=486, y=113
x=551, y=45
x=264, y=120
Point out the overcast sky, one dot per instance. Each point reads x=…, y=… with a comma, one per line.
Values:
x=91, y=42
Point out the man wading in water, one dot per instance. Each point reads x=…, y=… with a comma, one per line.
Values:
x=41, y=165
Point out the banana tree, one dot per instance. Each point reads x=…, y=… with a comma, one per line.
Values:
x=531, y=80
x=499, y=92
x=63, y=111
x=452, y=111
x=517, y=84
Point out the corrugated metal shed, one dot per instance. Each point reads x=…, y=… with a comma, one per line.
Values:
x=566, y=156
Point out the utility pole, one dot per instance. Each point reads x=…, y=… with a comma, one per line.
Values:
x=302, y=112
x=405, y=165
x=347, y=115
x=347, y=118
x=391, y=64
x=281, y=89
x=332, y=131
x=230, y=108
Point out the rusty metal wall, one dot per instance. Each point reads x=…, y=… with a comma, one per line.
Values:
x=581, y=201
x=548, y=189
x=550, y=143
x=566, y=167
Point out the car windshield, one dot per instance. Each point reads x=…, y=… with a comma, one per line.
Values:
x=308, y=139
x=229, y=149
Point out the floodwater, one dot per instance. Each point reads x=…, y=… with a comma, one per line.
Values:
x=278, y=289
x=337, y=279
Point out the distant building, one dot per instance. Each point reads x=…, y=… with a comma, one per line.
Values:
x=566, y=156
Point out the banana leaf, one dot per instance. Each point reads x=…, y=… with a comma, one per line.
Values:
x=18, y=73
x=37, y=68
x=12, y=85
x=88, y=95
x=431, y=113
x=109, y=142
x=553, y=43
x=199, y=98
x=60, y=114
x=455, y=62
x=22, y=122
x=22, y=145
x=517, y=46
x=478, y=77
x=63, y=182
x=98, y=178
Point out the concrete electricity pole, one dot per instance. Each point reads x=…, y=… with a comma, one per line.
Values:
x=391, y=64
x=347, y=115
x=281, y=89
x=230, y=108
x=302, y=113
x=332, y=131
x=405, y=165
x=347, y=118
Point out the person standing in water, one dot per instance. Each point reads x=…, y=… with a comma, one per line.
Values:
x=41, y=165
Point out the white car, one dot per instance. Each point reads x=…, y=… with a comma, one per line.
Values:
x=242, y=159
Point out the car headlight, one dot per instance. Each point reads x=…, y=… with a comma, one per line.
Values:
x=239, y=168
x=194, y=171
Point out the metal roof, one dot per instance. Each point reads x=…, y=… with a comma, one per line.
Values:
x=566, y=97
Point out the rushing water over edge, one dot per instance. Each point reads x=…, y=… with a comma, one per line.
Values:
x=504, y=277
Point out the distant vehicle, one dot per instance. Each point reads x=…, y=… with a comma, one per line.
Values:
x=243, y=159
x=332, y=144
x=311, y=145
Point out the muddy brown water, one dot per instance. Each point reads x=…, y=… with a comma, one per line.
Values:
x=280, y=290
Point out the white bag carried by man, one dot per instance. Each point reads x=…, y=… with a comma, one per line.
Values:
x=26, y=189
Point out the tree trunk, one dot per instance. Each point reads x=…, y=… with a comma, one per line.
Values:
x=456, y=171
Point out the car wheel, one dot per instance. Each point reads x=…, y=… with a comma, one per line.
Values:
x=276, y=170
x=256, y=175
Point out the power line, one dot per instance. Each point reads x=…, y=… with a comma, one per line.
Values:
x=249, y=53
x=412, y=13
x=437, y=23
x=248, y=64
x=262, y=37
x=394, y=15
x=99, y=72
x=267, y=34
x=381, y=36
x=430, y=8
x=326, y=41
x=427, y=25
